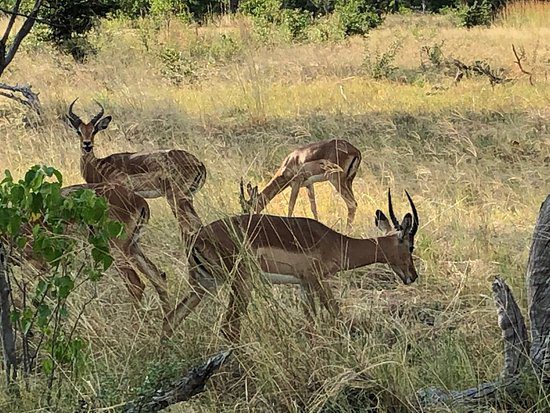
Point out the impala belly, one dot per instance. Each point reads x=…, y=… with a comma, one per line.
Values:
x=281, y=266
x=281, y=278
x=313, y=179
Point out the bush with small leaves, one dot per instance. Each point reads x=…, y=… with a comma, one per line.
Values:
x=357, y=16
x=476, y=14
x=34, y=221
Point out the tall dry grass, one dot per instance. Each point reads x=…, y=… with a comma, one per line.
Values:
x=475, y=158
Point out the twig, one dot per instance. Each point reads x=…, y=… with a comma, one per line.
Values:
x=19, y=14
x=518, y=62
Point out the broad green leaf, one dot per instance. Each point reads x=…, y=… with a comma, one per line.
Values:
x=114, y=229
x=17, y=194
x=102, y=257
x=64, y=286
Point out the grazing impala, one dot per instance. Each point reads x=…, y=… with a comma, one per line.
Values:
x=174, y=174
x=335, y=161
x=289, y=251
x=133, y=212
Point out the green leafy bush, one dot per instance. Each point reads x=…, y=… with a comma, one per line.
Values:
x=357, y=16
x=476, y=14
x=34, y=219
x=266, y=10
x=381, y=65
x=177, y=67
x=71, y=20
x=295, y=23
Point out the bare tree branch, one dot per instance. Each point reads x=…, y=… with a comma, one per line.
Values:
x=22, y=33
x=31, y=98
x=14, y=12
x=519, y=57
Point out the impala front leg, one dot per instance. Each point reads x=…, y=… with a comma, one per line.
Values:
x=293, y=196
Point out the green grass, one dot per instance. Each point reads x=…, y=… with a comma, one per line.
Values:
x=474, y=158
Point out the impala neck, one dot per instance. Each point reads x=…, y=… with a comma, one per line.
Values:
x=271, y=190
x=93, y=170
x=361, y=252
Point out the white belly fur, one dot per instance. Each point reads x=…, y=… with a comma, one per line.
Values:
x=313, y=179
x=281, y=278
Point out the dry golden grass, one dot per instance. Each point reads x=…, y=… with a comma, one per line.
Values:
x=475, y=159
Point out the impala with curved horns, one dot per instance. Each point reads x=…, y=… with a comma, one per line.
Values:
x=175, y=174
x=289, y=251
x=335, y=160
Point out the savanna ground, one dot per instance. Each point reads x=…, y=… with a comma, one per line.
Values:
x=474, y=157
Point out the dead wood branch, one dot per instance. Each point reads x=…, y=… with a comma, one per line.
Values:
x=29, y=99
x=191, y=384
x=7, y=333
x=517, y=351
x=514, y=334
x=519, y=57
x=479, y=68
x=7, y=53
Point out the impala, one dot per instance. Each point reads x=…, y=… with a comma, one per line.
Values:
x=175, y=174
x=133, y=212
x=289, y=251
x=335, y=161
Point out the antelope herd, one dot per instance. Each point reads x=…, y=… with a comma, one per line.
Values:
x=287, y=250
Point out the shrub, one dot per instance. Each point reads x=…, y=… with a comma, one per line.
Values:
x=381, y=65
x=295, y=23
x=357, y=16
x=71, y=20
x=176, y=67
x=477, y=14
x=267, y=10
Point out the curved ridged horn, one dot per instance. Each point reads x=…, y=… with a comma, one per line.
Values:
x=75, y=120
x=97, y=117
x=414, y=227
x=394, y=220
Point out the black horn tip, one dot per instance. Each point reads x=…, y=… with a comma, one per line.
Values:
x=414, y=213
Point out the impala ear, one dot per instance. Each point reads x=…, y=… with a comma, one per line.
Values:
x=406, y=226
x=382, y=222
x=102, y=124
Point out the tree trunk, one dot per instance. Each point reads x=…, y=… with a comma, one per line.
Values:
x=7, y=333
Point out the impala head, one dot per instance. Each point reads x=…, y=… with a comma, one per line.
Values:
x=400, y=257
x=248, y=205
x=87, y=131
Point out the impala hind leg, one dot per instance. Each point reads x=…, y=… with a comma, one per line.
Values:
x=343, y=186
x=153, y=274
x=186, y=306
x=182, y=207
x=135, y=286
x=312, y=204
x=238, y=303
